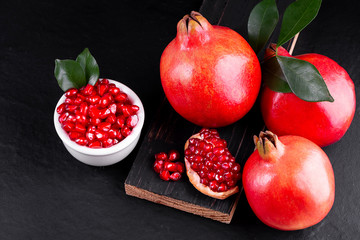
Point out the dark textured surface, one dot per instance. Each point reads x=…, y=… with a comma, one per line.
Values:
x=47, y=194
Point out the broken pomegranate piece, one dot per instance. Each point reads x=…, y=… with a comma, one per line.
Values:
x=210, y=166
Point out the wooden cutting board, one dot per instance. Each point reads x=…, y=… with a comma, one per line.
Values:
x=170, y=131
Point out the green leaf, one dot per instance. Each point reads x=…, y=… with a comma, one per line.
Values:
x=296, y=17
x=262, y=22
x=273, y=77
x=89, y=65
x=304, y=79
x=69, y=74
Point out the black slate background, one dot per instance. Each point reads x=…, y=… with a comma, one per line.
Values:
x=46, y=194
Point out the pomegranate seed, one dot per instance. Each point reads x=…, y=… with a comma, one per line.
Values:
x=126, y=110
x=88, y=90
x=218, y=151
x=70, y=93
x=101, y=135
x=68, y=101
x=78, y=100
x=225, y=166
x=219, y=178
x=113, y=108
x=158, y=165
x=134, y=109
x=91, y=129
x=95, y=121
x=211, y=176
x=94, y=112
x=80, y=118
x=119, y=136
x=108, y=142
x=105, y=81
x=125, y=131
x=237, y=176
x=71, y=118
x=121, y=97
x=102, y=89
x=236, y=168
x=180, y=167
x=81, y=141
x=95, y=144
x=74, y=135
x=63, y=117
x=170, y=166
x=83, y=108
x=222, y=187
x=114, y=91
x=165, y=175
x=93, y=99
x=90, y=136
x=68, y=126
x=61, y=108
x=204, y=181
x=228, y=176
x=231, y=183
x=104, y=126
x=214, y=186
x=111, y=119
x=70, y=107
x=113, y=133
x=175, y=176
x=104, y=113
x=120, y=121
x=161, y=156
x=79, y=128
x=173, y=155
x=132, y=121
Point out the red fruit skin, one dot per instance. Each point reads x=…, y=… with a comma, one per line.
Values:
x=210, y=75
x=294, y=192
x=321, y=122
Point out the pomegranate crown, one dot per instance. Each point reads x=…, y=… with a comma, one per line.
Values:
x=193, y=27
x=268, y=145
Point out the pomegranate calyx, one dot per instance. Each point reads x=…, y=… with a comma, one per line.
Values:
x=268, y=145
x=193, y=27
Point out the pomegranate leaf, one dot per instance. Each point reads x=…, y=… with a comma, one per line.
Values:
x=304, y=79
x=261, y=24
x=296, y=17
x=89, y=65
x=69, y=74
x=273, y=77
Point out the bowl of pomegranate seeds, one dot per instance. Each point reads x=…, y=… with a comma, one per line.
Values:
x=99, y=125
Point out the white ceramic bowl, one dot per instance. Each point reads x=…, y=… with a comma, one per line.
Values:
x=104, y=156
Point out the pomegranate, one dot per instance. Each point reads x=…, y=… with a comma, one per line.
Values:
x=321, y=122
x=288, y=181
x=210, y=74
x=166, y=166
x=210, y=166
x=97, y=116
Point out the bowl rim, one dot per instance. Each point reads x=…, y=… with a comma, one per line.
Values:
x=115, y=148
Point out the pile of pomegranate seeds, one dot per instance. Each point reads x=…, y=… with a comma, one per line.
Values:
x=210, y=158
x=166, y=166
x=97, y=116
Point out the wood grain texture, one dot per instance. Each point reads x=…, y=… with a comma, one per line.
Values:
x=170, y=131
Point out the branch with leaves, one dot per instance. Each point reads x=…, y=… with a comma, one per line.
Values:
x=285, y=73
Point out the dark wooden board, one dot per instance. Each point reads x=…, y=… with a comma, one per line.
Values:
x=170, y=131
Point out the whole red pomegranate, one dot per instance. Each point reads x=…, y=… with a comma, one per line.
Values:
x=321, y=122
x=288, y=181
x=210, y=74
